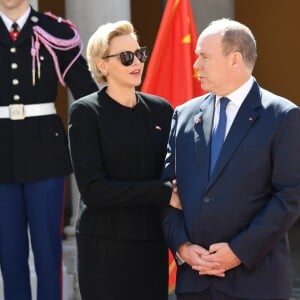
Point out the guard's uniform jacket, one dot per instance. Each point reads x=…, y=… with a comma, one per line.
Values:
x=36, y=147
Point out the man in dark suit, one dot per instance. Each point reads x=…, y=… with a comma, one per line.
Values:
x=234, y=154
x=36, y=51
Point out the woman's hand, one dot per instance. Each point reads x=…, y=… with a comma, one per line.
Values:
x=175, y=201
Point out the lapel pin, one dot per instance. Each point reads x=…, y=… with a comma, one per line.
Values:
x=250, y=119
x=157, y=127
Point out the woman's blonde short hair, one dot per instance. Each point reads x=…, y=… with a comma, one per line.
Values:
x=99, y=42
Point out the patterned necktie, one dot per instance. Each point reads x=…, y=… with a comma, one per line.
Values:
x=14, y=31
x=218, y=135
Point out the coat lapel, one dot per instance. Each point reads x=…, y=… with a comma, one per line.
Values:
x=245, y=118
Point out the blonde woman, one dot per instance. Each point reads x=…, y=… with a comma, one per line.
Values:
x=118, y=140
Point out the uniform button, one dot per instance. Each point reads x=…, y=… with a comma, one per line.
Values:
x=13, y=50
x=206, y=199
x=16, y=97
x=14, y=66
x=15, y=81
x=34, y=19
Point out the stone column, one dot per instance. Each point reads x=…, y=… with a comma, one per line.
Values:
x=34, y=4
x=88, y=16
x=206, y=11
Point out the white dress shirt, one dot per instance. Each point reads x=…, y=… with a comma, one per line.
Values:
x=236, y=100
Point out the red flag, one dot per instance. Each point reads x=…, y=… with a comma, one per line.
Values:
x=170, y=72
x=172, y=273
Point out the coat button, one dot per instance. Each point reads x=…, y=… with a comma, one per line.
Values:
x=14, y=66
x=206, y=199
x=13, y=50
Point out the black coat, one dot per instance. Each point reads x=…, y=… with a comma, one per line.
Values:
x=118, y=155
x=36, y=148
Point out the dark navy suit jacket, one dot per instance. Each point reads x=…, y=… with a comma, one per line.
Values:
x=251, y=200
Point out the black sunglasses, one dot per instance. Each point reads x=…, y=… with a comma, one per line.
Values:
x=127, y=57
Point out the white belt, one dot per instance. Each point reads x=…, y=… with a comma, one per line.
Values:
x=22, y=111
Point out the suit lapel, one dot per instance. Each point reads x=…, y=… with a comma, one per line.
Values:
x=245, y=118
x=202, y=132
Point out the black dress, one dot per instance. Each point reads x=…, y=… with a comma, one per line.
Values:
x=118, y=154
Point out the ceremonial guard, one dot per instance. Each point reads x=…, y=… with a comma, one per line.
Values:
x=36, y=52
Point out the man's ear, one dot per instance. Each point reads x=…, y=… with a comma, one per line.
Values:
x=236, y=59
